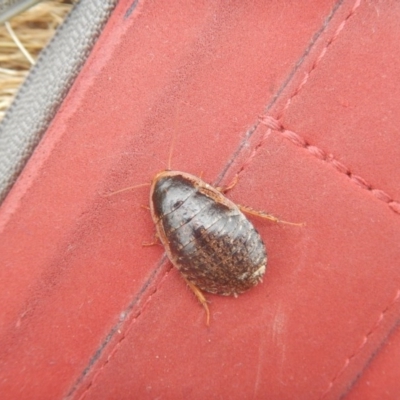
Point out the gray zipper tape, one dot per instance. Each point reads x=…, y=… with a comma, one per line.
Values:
x=9, y=8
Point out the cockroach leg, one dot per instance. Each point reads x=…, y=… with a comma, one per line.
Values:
x=200, y=296
x=155, y=241
x=264, y=215
x=145, y=207
x=230, y=186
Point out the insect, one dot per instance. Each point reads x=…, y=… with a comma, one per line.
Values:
x=206, y=236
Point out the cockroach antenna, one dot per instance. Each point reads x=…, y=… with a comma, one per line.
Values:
x=127, y=188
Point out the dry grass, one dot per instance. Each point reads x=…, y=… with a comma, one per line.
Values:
x=33, y=29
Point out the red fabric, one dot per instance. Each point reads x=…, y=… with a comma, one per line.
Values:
x=302, y=101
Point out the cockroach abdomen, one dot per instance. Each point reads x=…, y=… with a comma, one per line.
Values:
x=205, y=235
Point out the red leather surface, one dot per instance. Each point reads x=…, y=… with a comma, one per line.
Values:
x=302, y=101
x=380, y=377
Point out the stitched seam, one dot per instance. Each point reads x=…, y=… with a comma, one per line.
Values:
x=364, y=341
x=319, y=58
x=275, y=125
x=117, y=345
x=314, y=65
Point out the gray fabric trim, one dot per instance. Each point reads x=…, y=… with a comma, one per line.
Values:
x=9, y=8
x=47, y=85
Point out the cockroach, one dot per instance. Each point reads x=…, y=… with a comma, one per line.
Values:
x=206, y=236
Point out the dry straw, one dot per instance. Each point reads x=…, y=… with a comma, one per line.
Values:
x=21, y=40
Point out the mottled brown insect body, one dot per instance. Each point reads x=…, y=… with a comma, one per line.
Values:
x=205, y=235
